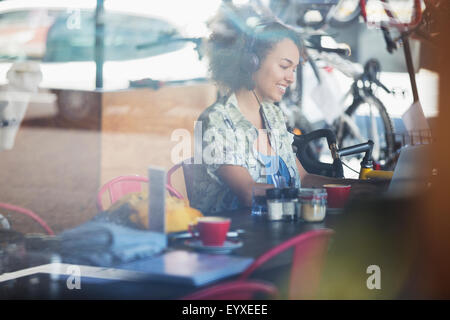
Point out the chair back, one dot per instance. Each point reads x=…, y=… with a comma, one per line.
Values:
x=122, y=185
x=118, y=187
x=310, y=249
x=28, y=213
x=188, y=172
x=236, y=290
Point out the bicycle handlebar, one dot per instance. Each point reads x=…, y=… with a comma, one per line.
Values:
x=335, y=169
x=311, y=165
x=359, y=148
x=321, y=133
x=382, y=86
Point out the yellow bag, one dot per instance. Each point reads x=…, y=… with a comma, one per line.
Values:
x=178, y=213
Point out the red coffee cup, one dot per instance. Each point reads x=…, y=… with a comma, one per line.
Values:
x=212, y=231
x=337, y=194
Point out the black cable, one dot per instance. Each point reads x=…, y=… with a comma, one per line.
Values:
x=260, y=106
x=349, y=167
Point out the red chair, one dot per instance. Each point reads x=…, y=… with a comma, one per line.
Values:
x=310, y=249
x=235, y=290
x=30, y=214
x=187, y=166
x=122, y=185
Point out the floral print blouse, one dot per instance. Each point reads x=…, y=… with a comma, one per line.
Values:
x=227, y=137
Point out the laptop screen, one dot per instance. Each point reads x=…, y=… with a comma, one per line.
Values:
x=157, y=199
x=412, y=172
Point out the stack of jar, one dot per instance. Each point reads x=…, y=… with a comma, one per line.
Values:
x=292, y=204
x=282, y=204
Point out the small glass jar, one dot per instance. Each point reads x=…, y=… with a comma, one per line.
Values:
x=274, y=204
x=313, y=204
x=290, y=200
x=259, y=204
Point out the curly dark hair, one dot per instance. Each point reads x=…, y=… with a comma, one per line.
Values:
x=232, y=38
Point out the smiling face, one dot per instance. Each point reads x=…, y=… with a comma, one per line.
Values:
x=277, y=71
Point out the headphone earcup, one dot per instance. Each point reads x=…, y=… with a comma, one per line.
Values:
x=253, y=62
x=250, y=62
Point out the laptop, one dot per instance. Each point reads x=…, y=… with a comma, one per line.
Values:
x=157, y=199
x=188, y=267
x=175, y=267
x=413, y=171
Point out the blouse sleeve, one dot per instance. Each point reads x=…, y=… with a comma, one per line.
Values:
x=221, y=144
x=290, y=137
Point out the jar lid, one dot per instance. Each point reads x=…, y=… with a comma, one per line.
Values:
x=290, y=193
x=274, y=193
x=312, y=193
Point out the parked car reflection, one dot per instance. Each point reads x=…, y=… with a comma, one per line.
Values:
x=62, y=39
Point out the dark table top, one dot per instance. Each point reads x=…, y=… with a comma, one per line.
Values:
x=261, y=235
x=258, y=237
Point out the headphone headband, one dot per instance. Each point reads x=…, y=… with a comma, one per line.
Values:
x=251, y=62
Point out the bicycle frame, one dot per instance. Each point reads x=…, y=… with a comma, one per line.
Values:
x=362, y=93
x=370, y=173
x=361, y=90
x=367, y=172
x=404, y=29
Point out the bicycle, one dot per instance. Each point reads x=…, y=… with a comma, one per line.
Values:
x=364, y=100
x=364, y=104
x=423, y=24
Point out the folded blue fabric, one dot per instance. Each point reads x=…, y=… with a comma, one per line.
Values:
x=107, y=244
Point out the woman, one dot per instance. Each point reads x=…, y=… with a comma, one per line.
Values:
x=244, y=140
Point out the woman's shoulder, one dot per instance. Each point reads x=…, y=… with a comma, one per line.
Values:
x=216, y=114
x=217, y=108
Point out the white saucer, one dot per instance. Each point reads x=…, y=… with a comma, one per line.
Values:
x=227, y=247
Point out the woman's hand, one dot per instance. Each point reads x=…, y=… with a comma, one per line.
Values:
x=240, y=182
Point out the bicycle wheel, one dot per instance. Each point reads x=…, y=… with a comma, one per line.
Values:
x=367, y=119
